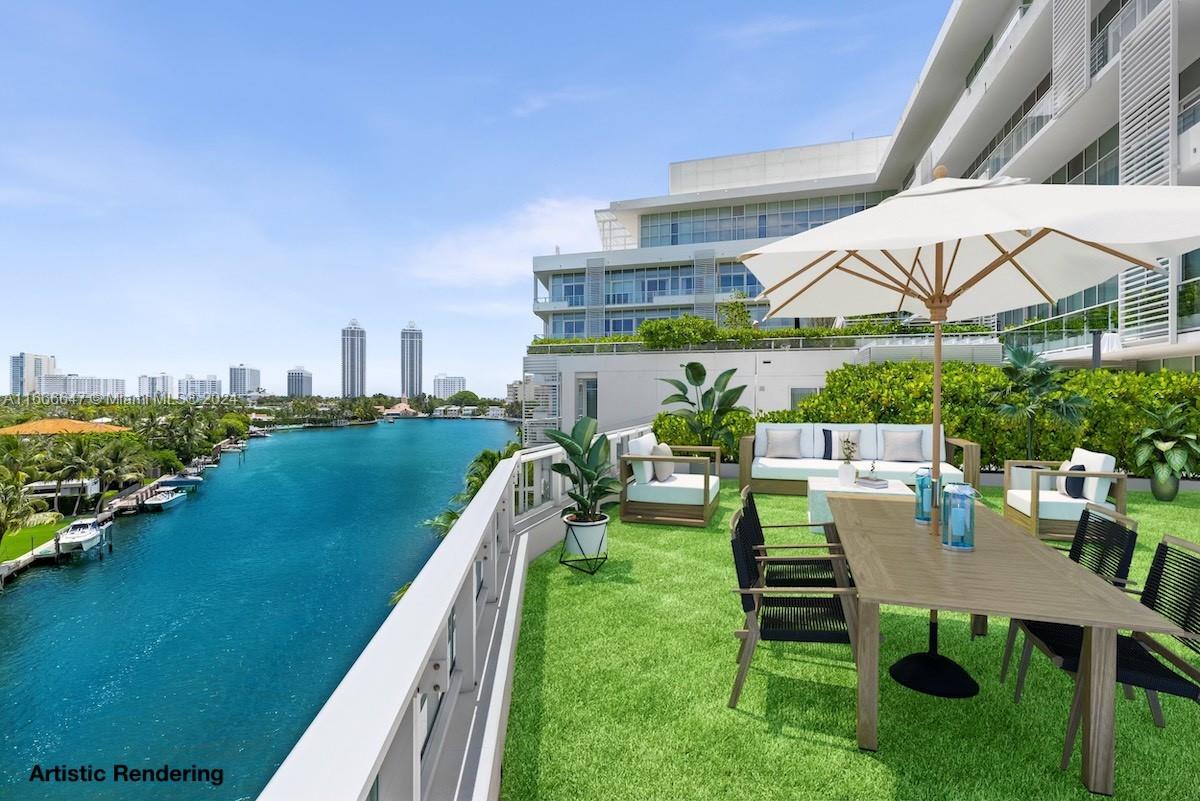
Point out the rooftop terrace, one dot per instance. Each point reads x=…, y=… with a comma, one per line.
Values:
x=621, y=682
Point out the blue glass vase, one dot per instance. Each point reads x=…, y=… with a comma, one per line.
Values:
x=958, y=516
x=925, y=490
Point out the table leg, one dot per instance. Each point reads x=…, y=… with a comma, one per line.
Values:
x=978, y=626
x=868, y=675
x=1098, y=672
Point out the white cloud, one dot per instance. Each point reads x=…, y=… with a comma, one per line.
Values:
x=534, y=102
x=499, y=252
x=758, y=30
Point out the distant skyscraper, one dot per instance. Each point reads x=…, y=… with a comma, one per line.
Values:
x=197, y=389
x=24, y=371
x=244, y=381
x=78, y=386
x=354, y=361
x=156, y=386
x=446, y=385
x=411, y=345
x=299, y=383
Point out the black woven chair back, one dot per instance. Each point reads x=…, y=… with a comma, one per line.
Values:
x=754, y=530
x=744, y=562
x=1103, y=545
x=1173, y=590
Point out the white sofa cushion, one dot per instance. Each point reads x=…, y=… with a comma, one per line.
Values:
x=868, y=447
x=680, y=489
x=902, y=446
x=926, y=440
x=642, y=446
x=663, y=470
x=762, y=433
x=1052, y=504
x=803, y=469
x=784, y=443
x=1095, y=489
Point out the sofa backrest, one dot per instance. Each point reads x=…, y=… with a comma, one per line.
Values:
x=926, y=440
x=806, y=437
x=1095, y=489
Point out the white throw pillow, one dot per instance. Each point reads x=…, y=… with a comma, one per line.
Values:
x=836, y=438
x=783, y=443
x=663, y=470
x=642, y=446
x=903, y=446
x=1060, y=483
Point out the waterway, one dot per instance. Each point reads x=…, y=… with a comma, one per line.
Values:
x=216, y=629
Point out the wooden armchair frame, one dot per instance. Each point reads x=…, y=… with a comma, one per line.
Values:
x=678, y=514
x=1055, y=529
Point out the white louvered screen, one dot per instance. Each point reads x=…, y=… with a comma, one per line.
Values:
x=1070, y=52
x=1147, y=99
x=543, y=411
x=593, y=298
x=1145, y=306
x=705, y=287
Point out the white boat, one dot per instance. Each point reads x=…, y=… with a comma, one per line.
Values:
x=164, y=499
x=184, y=481
x=81, y=535
x=235, y=447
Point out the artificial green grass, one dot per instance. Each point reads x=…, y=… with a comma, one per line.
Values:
x=24, y=540
x=622, y=681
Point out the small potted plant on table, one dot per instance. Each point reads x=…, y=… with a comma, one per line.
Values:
x=587, y=467
x=1168, y=449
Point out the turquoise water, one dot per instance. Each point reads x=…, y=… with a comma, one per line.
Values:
x=216, y=629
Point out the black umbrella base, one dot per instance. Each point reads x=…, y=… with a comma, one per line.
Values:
x=934, y=674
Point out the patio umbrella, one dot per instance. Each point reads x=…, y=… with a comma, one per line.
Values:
x=955, y=248
x=51, y=426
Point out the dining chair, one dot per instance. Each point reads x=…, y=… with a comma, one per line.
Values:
x=1172, y=589
x=1103, y=543
x=812, y=614
x=797, y=571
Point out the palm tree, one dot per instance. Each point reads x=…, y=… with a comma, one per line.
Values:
x=79, y=460
x=24, y=457
x=121, y=461
x=1036, y=387
x=17, y=508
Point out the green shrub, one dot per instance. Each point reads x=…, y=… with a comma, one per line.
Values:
x=677, y=332
x=902, y=392
x=674, y=431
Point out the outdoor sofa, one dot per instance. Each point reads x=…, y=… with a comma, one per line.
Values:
x=799, y=453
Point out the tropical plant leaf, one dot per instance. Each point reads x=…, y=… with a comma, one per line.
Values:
x=708, y=400
x=1177, y=458
x=677, y=398
x=563, y=469
x=695, y=373
x=1163, y=471
x=584, y=431
x=565, y=442
x=1142, y=454
x=680, y=387
x=722, y=380
x=730, y=397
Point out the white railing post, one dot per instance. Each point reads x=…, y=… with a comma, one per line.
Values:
x=400, y=775
x=466, y=625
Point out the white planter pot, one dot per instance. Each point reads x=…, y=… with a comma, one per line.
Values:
x=586, y=539
x=846, y=474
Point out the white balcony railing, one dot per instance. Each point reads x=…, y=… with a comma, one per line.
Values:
x=1107, y=43
x=422, y=712
x=1033, y=121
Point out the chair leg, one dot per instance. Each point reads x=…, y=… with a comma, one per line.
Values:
x=1022, y=669
x=1128, y=692
x=748, y=646
x=1072, y=724
x=1009, y=644
x=741, y=635
x=1155, y=709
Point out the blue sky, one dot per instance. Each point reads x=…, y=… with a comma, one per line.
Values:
x=188, y=185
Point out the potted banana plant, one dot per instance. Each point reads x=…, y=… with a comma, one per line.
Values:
x=587, y=467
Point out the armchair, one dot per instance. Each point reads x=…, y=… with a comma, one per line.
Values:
x=688, y=499
x=1033, y=501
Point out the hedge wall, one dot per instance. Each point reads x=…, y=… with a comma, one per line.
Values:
x=901, y=392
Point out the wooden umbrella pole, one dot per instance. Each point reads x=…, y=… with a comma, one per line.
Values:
x=935, y=493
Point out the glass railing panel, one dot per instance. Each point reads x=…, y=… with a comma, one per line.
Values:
x=1017, y=138
x=1107, y=43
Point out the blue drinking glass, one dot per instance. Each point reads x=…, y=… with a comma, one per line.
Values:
x=925, y=492
x=958, y=516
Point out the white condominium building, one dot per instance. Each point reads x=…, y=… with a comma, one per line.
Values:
x=71, y=385
x=244, y=381
x=198, y=389
x=354, y=360
x=299, y=383
x=156, y=386
x=24, y=371
x=446, y=385
x=412, y=345
x=1072, y=91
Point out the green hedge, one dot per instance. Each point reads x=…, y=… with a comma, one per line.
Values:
x=901, y=392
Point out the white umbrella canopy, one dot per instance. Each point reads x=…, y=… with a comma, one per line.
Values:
x=1003, y=243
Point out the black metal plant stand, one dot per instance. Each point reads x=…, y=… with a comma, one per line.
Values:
x=583, y=562
x=933, y=674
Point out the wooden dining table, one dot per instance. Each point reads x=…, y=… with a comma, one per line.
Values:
x=1010, y=574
